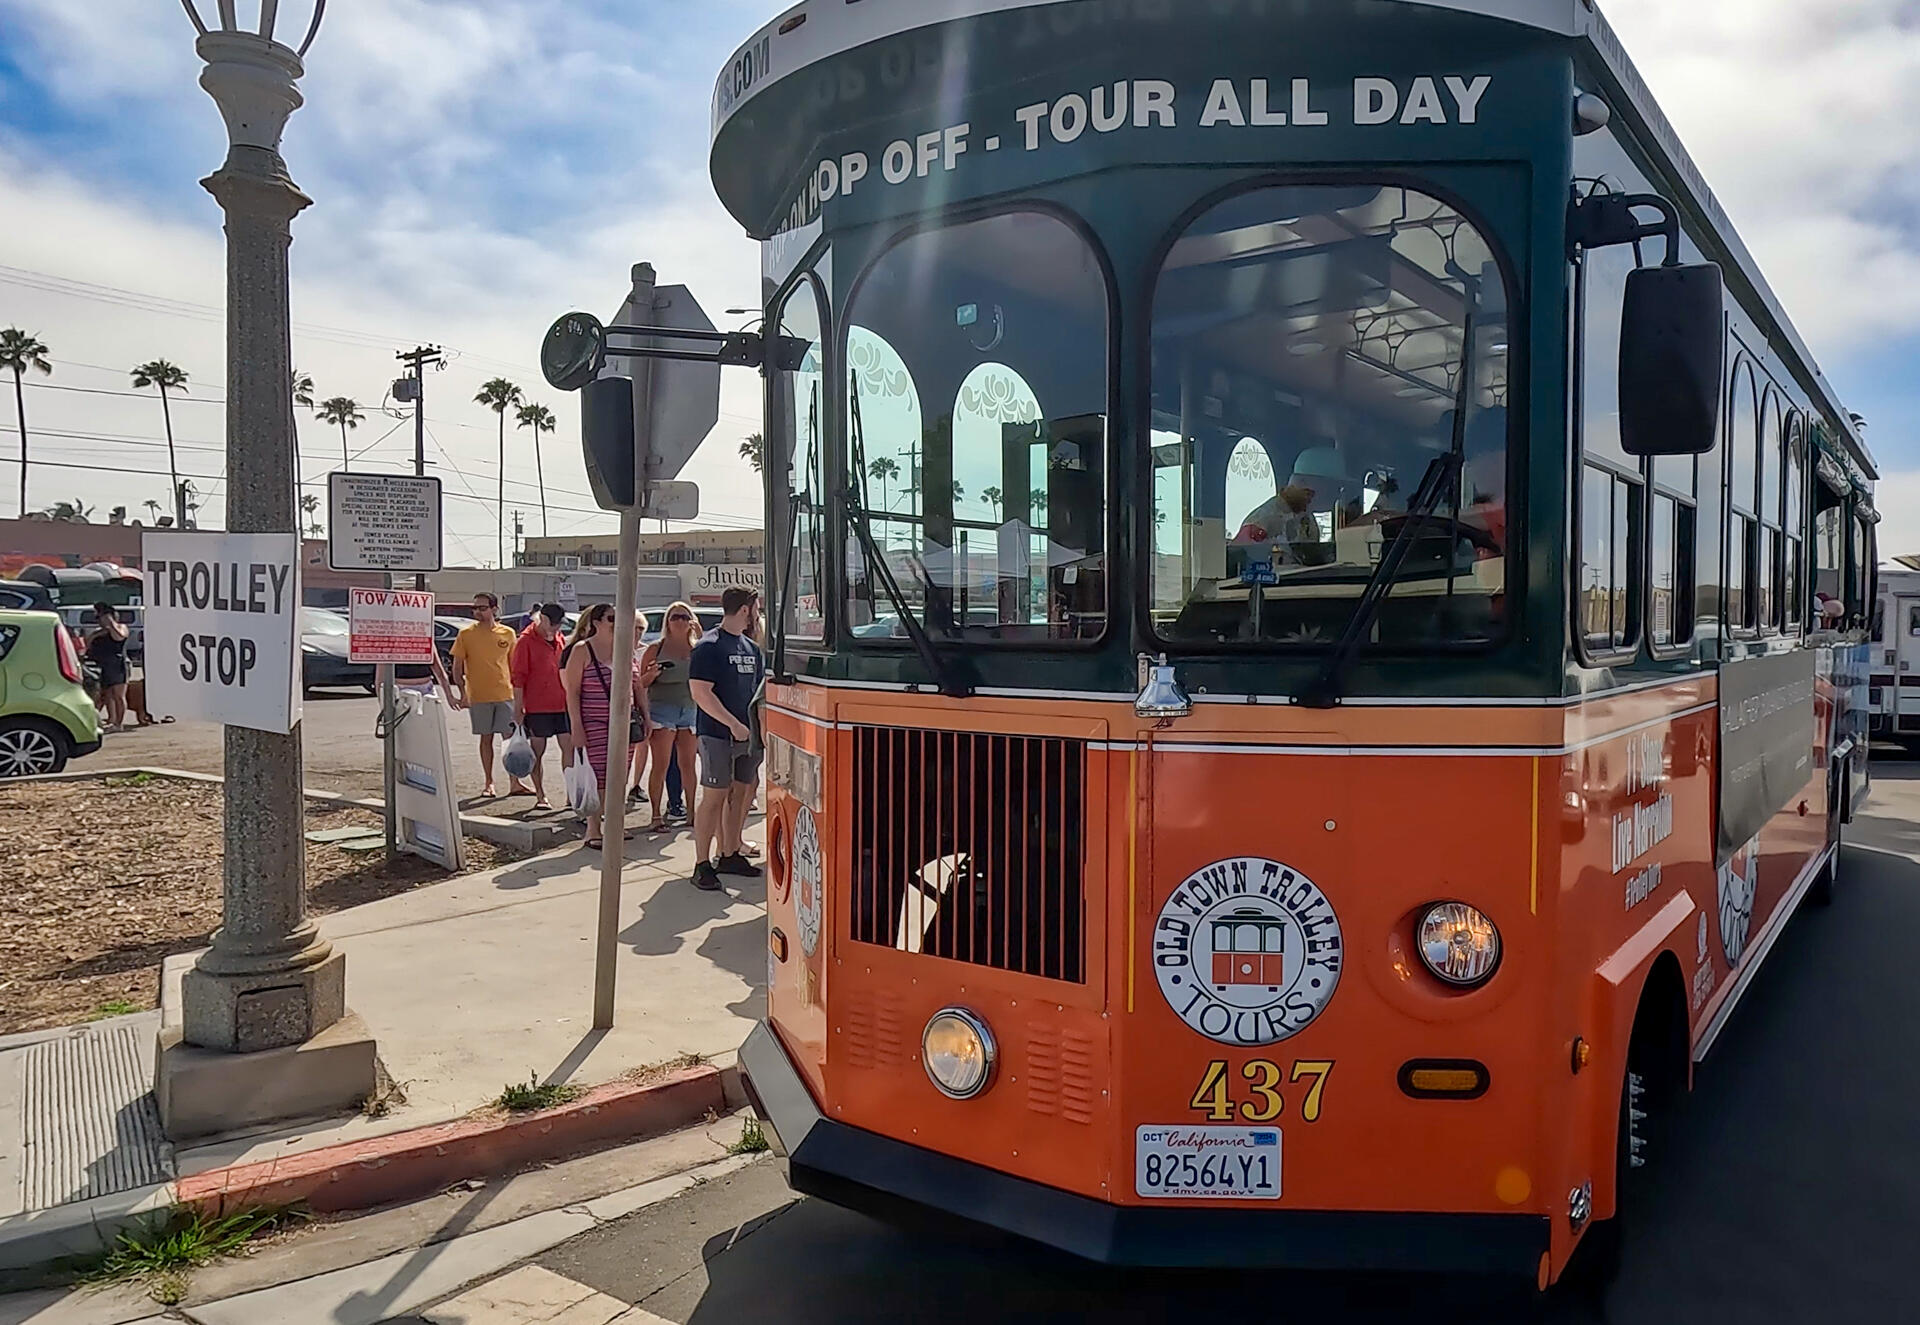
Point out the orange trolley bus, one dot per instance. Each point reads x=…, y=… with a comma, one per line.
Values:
x=1317, y=609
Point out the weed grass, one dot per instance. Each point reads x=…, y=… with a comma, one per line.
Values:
x=533, y=1096
x=753, y=1138
x=163, y=1251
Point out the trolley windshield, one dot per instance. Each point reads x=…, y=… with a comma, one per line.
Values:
x=1315, y=350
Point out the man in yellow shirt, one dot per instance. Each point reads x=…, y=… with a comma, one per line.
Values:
x=482, y=653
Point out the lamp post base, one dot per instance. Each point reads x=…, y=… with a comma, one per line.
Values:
x=237, y=1051
x=251, y=1012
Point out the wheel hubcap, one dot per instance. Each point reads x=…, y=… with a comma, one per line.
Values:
x=25, y=752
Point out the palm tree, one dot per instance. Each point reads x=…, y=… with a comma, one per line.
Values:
x=540, y=419
x=1038, y=500
x=153, y=509
x=344, y=412
x=992, y=497
x=885, y=470
x=498, y=394
x=71, y=512
x=20, y=350
x=310, y=505
x=165, y=377
x=303, y=397
x=753, y=451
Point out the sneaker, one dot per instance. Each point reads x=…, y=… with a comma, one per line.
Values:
x=677, y=814
x=636, y=797
x=736, y=863
x=706, y=878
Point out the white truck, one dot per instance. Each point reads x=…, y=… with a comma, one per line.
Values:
x=1893, y=694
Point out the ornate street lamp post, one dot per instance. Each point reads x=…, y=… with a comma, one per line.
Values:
x=269, y=987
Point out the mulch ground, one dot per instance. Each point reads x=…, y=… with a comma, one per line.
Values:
x=102, y=879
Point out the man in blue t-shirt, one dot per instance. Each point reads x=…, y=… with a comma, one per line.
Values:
x=725, y=671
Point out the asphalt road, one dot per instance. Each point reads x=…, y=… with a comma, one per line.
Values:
x=1789, y=1192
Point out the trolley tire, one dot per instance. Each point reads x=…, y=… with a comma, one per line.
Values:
x=1657, y=1058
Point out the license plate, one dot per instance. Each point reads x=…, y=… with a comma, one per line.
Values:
x=1207, y=1163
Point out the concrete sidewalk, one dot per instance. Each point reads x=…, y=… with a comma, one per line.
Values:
x=467, y=985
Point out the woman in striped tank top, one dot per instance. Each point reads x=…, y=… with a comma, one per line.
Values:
x=588, y=674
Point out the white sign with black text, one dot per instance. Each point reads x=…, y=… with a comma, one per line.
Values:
x=223, y=628
x=383, y=522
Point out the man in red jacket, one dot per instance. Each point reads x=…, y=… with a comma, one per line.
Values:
x=539, y=698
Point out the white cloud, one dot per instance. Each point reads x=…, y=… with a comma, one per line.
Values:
x=1897, y=496
x=435, y=218
x=1805, y=120
x=479, y=166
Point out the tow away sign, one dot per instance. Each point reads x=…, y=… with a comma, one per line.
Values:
x=223, y=628
x=389, y=626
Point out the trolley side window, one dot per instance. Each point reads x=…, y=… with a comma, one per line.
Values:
x=1317, y=351
x=977, y=433
x=1743, y=529
x=801, y=443
x=1794, y=498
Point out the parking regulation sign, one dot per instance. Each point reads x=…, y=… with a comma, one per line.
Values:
x=383, y=522
x=222, y=627
x=389, y=626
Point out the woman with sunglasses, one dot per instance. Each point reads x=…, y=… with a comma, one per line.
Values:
x=670, y=705
x=589, y=683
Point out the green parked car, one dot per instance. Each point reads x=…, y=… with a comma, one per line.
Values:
x=46, y=717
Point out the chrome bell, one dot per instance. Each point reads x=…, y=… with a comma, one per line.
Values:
x=1161, y=695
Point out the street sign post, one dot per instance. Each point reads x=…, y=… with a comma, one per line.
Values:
x=646, y=405
x=384, y=522
x=222, y=628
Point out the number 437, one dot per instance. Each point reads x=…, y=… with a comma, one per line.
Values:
x=1263, y=1080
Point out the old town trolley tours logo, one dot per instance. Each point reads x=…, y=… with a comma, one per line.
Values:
x=806, y=879
x=1247, y=951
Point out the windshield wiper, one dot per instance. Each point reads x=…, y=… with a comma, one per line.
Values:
x=1442, y=476
x=945, y=676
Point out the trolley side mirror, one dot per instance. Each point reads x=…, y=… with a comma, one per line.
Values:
x=1673, y=352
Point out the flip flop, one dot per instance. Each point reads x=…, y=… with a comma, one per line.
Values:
x=542, y=805
x=659, y=826
x=594, y=844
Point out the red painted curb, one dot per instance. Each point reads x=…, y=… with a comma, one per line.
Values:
x=408, y=1165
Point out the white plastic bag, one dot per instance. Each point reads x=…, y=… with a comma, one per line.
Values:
x=519, y=754
x=583, y=789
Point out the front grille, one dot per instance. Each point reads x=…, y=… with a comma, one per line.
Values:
x=969, y=846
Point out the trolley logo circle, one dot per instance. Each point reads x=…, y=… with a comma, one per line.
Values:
x=806, y=878
x=1247, y=951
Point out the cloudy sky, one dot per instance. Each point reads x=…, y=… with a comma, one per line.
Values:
x=479, y=166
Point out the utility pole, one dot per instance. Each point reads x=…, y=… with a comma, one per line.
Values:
x=412, y=387
x=417, y=360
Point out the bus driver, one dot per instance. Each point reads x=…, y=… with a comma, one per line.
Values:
x=1301, y=518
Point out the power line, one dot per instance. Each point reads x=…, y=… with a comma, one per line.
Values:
x=184, y=308
x=131, y=395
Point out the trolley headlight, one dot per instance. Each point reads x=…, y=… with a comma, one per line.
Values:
x=1459, y=944
x=957, y=1049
